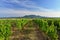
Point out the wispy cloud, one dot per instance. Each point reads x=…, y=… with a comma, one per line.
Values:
x=14, y=13
x=31, y=4
x=25, y=3
x=4, y=10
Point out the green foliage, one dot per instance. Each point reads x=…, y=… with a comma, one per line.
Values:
x=53, y=32
x=5, y=27
x=46, y=25
x=20, y=23
x=59, y=26
x=49, y=27
x=56, y=23
x=49, y=22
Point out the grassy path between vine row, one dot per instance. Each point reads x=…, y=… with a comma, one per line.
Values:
x=30, y=32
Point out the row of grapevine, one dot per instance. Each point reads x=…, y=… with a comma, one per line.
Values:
x=48, y=27
x=5, y=27
x=21, y=23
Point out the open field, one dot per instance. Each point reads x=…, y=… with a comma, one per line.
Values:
x=30, y=29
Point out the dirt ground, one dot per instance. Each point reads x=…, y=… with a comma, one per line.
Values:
x=59, y=35
x=29, y=32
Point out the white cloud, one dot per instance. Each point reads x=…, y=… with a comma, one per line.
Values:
x=31, y=4
x=28, y=4
x=27, y=12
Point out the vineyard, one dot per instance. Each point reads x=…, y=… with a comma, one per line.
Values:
x=30, y=29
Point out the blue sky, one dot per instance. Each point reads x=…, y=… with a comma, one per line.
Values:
x=13, y=8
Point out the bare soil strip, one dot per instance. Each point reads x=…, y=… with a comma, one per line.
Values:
x=59, y=35
x=30, y=32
